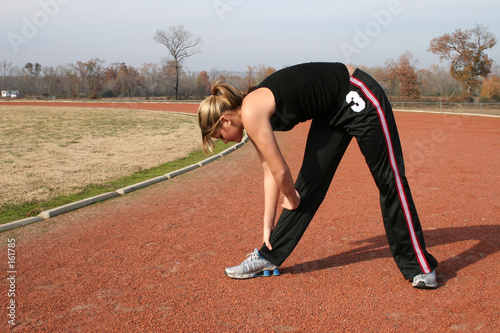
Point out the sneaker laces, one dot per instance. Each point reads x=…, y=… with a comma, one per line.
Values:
x=251, y=257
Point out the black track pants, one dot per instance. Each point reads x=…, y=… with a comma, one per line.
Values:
x=367, y=116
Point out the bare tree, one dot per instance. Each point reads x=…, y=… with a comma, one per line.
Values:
x=256, y=74
x=217, y=74
x=181, y=44
x=4, y=71
x=250, y=79
x=437, y=81
x=151, y=74
x=93, y=75
x=33, y=72
x=263, y=71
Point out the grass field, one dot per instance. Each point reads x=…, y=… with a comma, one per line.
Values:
x=52, y=156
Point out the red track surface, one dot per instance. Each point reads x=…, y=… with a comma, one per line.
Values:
x=153, y=260
x=190, y=108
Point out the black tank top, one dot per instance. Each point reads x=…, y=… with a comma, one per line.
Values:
x=307, y=91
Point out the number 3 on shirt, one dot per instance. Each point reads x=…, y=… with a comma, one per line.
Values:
x=359, y=103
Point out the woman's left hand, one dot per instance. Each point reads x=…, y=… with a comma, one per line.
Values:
x=292, y=204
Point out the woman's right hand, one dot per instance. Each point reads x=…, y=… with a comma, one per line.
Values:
x=266, y=236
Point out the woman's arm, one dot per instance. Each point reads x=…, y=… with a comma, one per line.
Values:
x=256, y=112
x=271, y=198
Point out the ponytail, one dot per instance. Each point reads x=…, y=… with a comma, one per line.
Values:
x=223, y=98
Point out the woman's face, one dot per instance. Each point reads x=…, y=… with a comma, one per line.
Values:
x=229, y=131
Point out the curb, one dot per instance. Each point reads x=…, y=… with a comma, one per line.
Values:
x=45, y=215
x=140, y=185
x=75, y=205
x=19, y=223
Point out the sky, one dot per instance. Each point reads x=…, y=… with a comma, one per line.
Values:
x=236, y=33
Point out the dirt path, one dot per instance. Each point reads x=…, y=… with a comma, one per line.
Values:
x=153, y=260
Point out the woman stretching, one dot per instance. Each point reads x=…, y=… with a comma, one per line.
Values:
x=343, y=102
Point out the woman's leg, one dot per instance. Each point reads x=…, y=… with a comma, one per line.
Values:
x=324, y=150
x=377, y=136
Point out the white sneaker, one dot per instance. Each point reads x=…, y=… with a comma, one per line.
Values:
x=253, y=266
x=425, y=281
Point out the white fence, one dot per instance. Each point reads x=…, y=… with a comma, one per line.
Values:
x=471, y=108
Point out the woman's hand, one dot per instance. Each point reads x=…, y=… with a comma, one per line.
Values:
x=267, y=235
x=292, y=204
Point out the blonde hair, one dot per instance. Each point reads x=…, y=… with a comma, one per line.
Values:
x=224, y=98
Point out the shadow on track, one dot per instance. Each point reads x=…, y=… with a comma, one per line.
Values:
x=485, y=238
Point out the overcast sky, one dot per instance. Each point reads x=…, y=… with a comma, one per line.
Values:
x=236, y=33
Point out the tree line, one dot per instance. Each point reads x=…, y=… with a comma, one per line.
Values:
x=471, y=74
x=92, y=79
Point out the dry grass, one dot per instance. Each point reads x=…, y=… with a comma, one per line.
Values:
x=47, y=152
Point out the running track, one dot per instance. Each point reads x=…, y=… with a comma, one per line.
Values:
x=153, y=260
